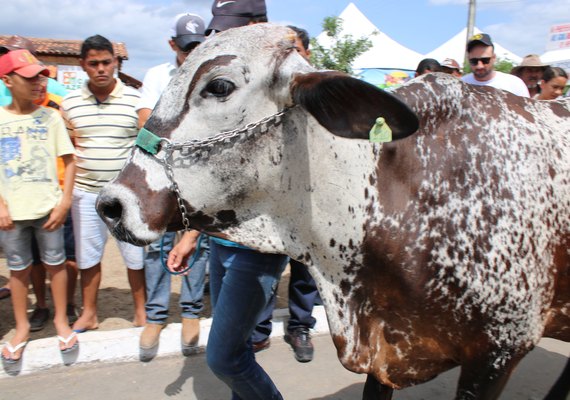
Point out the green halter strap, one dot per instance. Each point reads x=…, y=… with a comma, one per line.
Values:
x=148, y=141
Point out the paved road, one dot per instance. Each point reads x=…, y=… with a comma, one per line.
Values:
x=176, y=377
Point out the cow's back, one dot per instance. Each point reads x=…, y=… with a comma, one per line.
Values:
x=472, y=241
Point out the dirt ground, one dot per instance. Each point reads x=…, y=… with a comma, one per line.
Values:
x=115, y=301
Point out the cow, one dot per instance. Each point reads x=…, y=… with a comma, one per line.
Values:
x=446, y=244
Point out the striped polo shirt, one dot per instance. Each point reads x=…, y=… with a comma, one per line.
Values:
x=103, y=133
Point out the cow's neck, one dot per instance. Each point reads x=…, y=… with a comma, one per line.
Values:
x=318, y=218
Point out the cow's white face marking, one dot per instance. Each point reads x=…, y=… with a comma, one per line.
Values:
x=155, y=174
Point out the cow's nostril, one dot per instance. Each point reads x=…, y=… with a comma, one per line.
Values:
x=113, y=210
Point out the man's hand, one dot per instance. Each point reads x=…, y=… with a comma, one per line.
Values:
x=6, y=222
x=56, y=217
x=179, y=255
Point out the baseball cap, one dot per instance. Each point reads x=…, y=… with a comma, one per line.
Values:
x=23, y=63
x=232, y=14
x=187, y=29
x=479, y=38
x=450, y=63
x=17, y=43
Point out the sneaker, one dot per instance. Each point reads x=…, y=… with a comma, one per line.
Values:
x=72, y=314
x=39, y=319
x=300, y=341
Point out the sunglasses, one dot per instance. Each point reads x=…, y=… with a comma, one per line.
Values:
x=475, y=61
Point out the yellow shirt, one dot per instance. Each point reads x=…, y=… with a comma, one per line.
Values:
x=30, y=145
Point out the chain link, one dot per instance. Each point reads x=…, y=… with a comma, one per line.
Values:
x=167, y=147
x=196, y=144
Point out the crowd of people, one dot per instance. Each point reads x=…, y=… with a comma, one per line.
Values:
x=84, y=137
x=531, y=78
x=59, y=149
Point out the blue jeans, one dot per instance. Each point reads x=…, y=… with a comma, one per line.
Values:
x=241, y=283
x=158, y=282
x=303, y=295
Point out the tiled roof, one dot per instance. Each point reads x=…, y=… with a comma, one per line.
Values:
x=64, y=47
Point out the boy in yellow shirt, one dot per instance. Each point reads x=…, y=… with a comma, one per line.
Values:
x=31, y=201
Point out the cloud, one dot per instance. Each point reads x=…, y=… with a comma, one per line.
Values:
x=527, y=32
x=142, y=25
x=448, y=2
x=525, y=23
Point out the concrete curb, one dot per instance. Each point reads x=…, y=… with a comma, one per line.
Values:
x=123, y=345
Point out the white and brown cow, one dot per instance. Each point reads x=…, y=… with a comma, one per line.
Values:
x=448, y=247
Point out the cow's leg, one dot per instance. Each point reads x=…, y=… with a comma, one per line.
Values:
x=374, y=390
x=561, y=387
x=479, y=380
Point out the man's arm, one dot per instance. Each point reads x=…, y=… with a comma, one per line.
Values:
x=143, y=114
x=59, y=213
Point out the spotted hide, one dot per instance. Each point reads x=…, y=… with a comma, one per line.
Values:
x=447, y=247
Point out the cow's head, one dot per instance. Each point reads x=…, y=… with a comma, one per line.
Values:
x=237, y=78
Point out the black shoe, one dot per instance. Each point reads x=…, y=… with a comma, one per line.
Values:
x=39, y=319
x=72, y=315
x=264, y=344
x=300, y=341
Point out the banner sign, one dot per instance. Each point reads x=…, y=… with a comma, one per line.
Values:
x=71, y=76
x=385, y=78
x=559, y=37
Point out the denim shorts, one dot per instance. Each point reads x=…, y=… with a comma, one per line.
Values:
x=17, y=244
x=68, y=238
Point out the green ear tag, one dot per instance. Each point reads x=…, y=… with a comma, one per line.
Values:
x=380, y=132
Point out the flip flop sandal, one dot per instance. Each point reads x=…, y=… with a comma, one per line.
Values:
x=66, y=341
x=13, y=350
x=83, y=330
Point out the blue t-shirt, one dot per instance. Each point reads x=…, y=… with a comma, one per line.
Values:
x=53, y=87
x=227, y=243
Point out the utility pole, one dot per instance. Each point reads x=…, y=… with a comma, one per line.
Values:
x=470, y=27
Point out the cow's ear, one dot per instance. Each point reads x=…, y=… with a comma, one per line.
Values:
x=349, y=107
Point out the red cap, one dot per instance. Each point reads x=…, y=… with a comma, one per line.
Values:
x=23, y=63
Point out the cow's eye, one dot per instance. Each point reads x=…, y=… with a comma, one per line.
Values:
x=220, y=88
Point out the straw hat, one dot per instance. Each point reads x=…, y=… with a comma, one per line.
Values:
x=532, y=60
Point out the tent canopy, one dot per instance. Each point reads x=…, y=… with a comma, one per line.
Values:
x=455, y=48
x=384, y=53
x=557, y=58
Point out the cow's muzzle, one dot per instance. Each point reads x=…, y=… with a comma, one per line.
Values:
x=112, y=211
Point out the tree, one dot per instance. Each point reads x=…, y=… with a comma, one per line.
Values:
x=344, y=49
x=504, y=65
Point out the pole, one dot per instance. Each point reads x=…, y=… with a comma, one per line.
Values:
x=470, y=27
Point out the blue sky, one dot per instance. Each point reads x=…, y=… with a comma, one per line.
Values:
x=422, y=25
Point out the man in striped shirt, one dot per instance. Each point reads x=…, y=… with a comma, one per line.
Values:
x=102, y=123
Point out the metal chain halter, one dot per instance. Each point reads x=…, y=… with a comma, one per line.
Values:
x=162, y=149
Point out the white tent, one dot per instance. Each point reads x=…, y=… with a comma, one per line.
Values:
x=455, y=48
x=384, y=53
x=557, y=58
